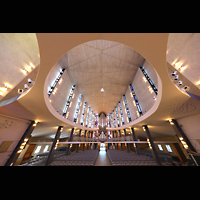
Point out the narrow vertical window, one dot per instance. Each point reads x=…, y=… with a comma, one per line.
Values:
x=58, y=80
x=114, y=119
x=68, y=101
x=122, y=116
x=77, y=108
x=136, y=101
x=88, y=110
x=117, y=116
x=91, y=112
x=96, y=121
x=127, y=109
x=111, y=120
x=149, y=80
x=83, y=113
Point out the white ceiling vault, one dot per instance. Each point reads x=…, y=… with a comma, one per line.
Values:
x=102, y=64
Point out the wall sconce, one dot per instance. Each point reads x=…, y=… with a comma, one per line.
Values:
x=23, y=145
x=183, y=143
x=170, y=121
x=144, y=128
x=56, y=145
x=35, y=124
x=150, y=147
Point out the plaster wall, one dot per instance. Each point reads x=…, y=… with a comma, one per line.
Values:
x=11, y=129
x=191, y=126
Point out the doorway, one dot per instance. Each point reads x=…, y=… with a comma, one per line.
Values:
x=102, y=147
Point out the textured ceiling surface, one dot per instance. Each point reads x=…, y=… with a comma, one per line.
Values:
x=17, y=52
x=102, y=64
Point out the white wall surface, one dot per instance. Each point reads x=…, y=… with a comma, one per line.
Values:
x=191, y=127
x=14, y=131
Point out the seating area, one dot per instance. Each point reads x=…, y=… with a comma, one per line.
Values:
x=123, y=158
x=83, y=158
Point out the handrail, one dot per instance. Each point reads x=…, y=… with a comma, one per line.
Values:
x=192, y=152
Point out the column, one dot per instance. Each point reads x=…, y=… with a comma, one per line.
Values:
x=91, y=139
x=84, y=137
x=57, y=136
x=135, y=139
x=70, y=139
x=88, y=139
x=154, y=151
x=127, y=145
x=180, y=132
x=120, y=138
x=77, y=147
x=116, y=137
x=24, y=139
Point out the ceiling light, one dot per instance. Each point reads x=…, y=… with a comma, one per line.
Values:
x=20, y=91
x=26, y=86
x=102, y=90
x=30, y=81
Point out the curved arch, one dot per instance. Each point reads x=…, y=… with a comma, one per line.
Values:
x=93, y=54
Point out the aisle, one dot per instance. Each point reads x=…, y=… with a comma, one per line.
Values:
x=102, y=159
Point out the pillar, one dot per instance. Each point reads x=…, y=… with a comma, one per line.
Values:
x=113, y=135
x=77, y=147
x=88, y=139
x=116, y=137
x=70, y=139
x=15, y=154
x=127, y=145
x=91, y=139
x=153, y=150
x=181, y=133
x=84, y=137
x=135, y=139
x=50, y=156
x=120, y=138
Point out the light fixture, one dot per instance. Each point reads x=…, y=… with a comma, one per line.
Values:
x=5, y=87
x=170, y=121
x=20, y=91
x=56, y=144
x=176, y=77
x=23, y=145
x=174, y=73
x=149, y=144
x=26, y=86
x=27, y=69
x=183, y=142
x=30, y=81
x=144, y=128
x=35, y=124
x=102, y=90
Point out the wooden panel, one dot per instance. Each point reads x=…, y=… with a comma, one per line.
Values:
x=5, y=145
x=29, y=152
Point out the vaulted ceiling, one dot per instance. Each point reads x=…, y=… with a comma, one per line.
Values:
x=102, y=64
